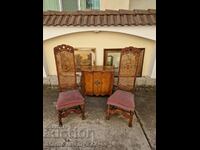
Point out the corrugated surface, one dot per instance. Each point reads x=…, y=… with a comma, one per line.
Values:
x=100, y=18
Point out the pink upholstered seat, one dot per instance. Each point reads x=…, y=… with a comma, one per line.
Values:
x=69, y=99
x=122, y=99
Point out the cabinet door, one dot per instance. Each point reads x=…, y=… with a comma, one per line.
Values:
x=88, y=81
x=97, y=83
x=107, y=82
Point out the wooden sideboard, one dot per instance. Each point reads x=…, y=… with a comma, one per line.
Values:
x=97, y=80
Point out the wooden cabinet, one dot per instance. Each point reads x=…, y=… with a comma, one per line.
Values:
x=97, y=80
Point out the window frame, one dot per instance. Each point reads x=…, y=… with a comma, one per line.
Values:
x=60, y=3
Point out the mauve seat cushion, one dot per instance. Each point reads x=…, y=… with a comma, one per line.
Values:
x=122, y=99
x=69, y=99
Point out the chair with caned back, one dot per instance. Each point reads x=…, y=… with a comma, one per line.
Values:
x=70, y=99
x=122, y=100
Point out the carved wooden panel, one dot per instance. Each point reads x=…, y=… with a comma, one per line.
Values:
x=88, y=82
x=128, y=67
x=107, y=83
x=65, y=64
x=97, y=80
x=97, y=83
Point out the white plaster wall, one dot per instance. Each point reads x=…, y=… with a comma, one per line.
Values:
x=114, y=4
x=100, y=41
x=152, y=57
x=44, y=72
x=142, y=4
x=148, y=32
x=153, y=75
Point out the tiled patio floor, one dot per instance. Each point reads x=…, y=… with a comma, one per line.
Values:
x=97, y=133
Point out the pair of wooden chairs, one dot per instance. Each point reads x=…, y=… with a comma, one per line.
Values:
x=70, y=98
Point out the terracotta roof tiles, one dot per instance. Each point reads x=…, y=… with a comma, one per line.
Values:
x=100, y=18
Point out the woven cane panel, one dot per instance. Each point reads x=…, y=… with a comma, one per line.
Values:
x=65, y=62
x=128, y=68
x=128, y=65
x=67, y=82
x=126, y=83
x=64, y=57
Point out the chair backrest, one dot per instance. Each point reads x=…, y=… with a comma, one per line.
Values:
x=65, y=65
x=128, y=68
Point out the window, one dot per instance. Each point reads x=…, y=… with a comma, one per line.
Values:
x=51, y=5
x=91, y=4
x=70, y=5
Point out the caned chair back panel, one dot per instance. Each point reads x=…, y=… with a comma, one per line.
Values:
x=129, y=60
x=65, y=64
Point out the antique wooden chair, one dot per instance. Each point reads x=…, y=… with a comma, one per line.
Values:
x=70, y=99
x=122, y=100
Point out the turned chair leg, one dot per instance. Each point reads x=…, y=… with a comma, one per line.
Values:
x=108, y=113
x=83, y=111
x=60, y=118
x=130, y=119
